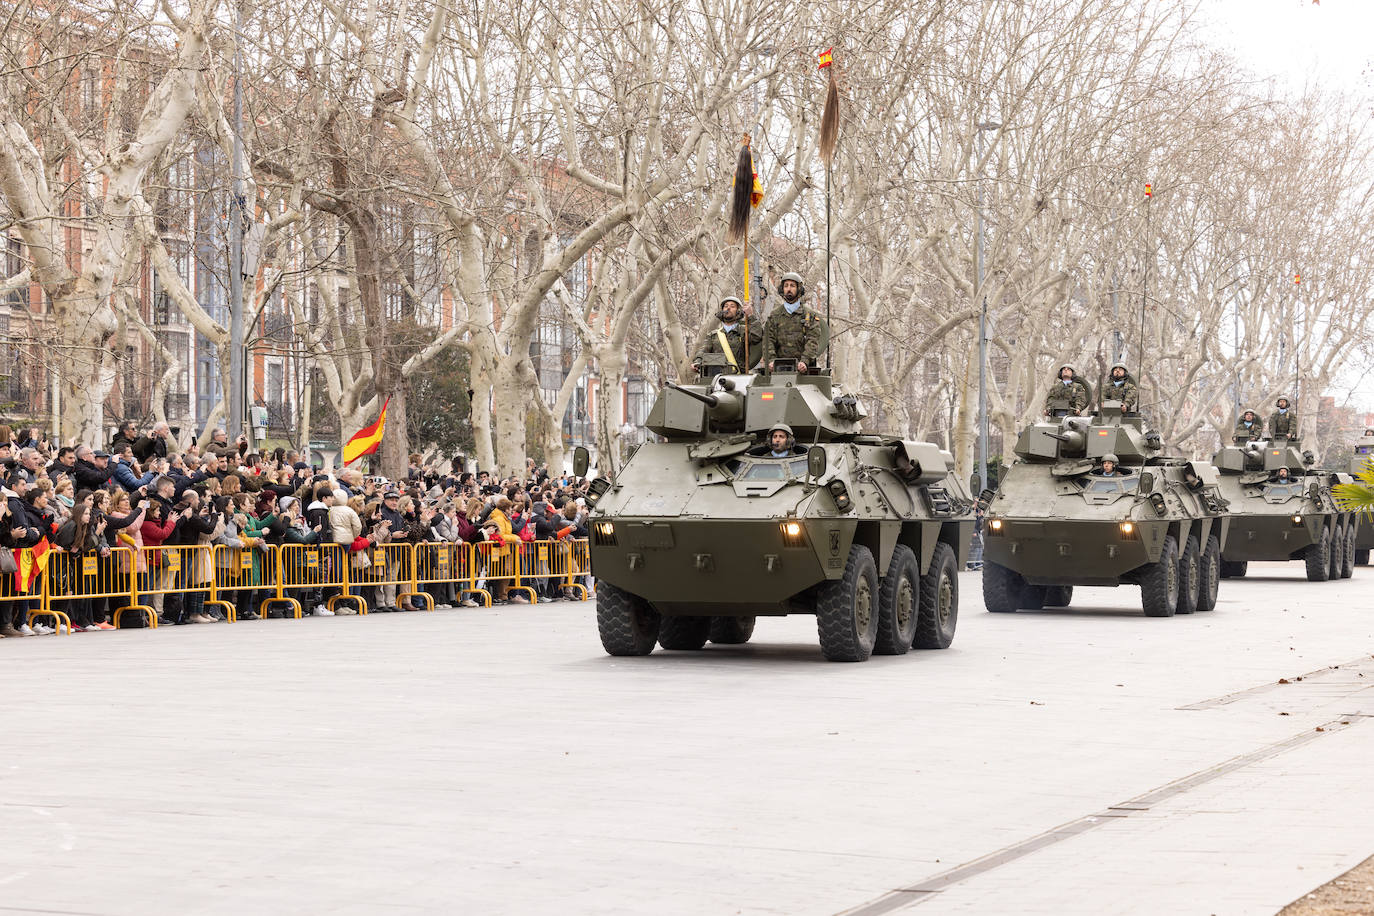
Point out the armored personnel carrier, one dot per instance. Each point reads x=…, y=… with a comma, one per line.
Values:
x=703, y=532
x=1359, y=463
x=1056, y=522
x=1282, y=509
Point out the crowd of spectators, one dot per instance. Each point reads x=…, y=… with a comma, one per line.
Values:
x=143, y=492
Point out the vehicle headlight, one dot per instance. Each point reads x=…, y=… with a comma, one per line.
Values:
x=1297, y=520
x=792, y=534
x=994, y=526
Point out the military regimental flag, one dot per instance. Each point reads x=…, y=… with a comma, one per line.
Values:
x=31, y=562
x=366, y=440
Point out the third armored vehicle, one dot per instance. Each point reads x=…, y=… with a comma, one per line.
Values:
x=1055, y=522
x=701, y=533
x=1283, y=510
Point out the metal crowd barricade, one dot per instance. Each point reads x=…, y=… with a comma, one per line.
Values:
x=496, y=561
x=563, y=558
x=247, y=568
x=75, y=577
x=175, y=570
x=388, y=564
x=317, y=568
x=449, y=562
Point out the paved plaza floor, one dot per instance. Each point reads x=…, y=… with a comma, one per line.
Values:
x=1088, y=760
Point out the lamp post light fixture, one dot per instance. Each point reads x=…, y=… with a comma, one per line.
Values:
x=982, y=323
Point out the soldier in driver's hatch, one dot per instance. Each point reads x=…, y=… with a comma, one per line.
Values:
x=793, y=331
x=1067, y=388
x=743, y=352
x=1248, y=427
x=780, y=441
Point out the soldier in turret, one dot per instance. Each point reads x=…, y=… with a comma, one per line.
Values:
x=1067, y=388
x=743, y=350
x=1248, y=427
x=1109, y=467
x=1283, y=422
x=793, y=331
x=1121, y=387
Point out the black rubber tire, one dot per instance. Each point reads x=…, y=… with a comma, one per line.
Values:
x=1348, y=560
x=1209, y=575
x=1001, y=589
x=731, y=631
x=1159, y=582
x=1189, y=575
x=939, y=615
x=1234, y=569
x=1318, y=558
x=1362, y=557
x=899, y=604
x=1337, y=551
x=847, y=609
x=1032, y=597
x=684, y=633
x=1058, y=595
x=628, y=625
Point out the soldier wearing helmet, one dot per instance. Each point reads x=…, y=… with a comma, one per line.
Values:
x=740, y=339
x=1248, y=427
x=1067, y=389
x=1283, y=422
x=793, y=331
x=1109, y=467
x=780, y=441
x=1121, y=387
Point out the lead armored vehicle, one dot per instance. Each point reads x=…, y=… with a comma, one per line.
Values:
x=703, y=532
x=1283, y=510
x=1056, y=522
x=1359, y=463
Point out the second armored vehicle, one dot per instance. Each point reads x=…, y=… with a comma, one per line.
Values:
x=1283, y=510
x=1057, y=521
x=1359, y=463
x=729, y=519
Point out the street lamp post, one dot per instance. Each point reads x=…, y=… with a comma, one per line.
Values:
x=982, y=325
x=236, y=386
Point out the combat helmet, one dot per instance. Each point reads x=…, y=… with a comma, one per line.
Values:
x=720, y=312
x=796, y=278
x=1284, y=397
x=1112, y=458
x=791, y=437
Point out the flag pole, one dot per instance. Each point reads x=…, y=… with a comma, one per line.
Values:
x=829, y=136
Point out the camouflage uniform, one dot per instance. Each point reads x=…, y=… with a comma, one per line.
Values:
x=1076, y=393
x=793, y=336
x=735, y=337
x=1127, y=392
x=1256, y=431
x=1283, y=425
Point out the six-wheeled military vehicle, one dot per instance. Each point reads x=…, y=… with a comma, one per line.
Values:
x=1359, y=463
x=712, y=527
x=1056, y=522
x=1282, y=509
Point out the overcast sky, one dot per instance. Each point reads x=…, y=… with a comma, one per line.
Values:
x=1329, y=45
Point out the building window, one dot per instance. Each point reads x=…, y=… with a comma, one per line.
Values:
x=177, y=401
x=14, y=265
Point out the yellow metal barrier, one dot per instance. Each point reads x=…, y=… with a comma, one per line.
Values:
x=567, y=561
x=499, y=562
x=182, y=570
x=389, y=568
x=442, y=562
x=255, y=569
x=70, y=577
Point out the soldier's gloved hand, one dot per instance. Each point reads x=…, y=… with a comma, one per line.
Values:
x=801, y=365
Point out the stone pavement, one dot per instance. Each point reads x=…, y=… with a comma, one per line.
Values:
x=471, y=761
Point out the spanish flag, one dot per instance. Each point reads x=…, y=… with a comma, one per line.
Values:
x=367, y=439
x=825, y=59
x=31, y=561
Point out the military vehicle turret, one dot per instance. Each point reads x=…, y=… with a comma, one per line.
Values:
x=1282, y=509
x=1359, y=463
x=1056, y=521
x=703, y=532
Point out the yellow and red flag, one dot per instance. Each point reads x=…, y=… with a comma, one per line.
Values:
x=30, y=562
x=366, y=440
x=1149, y=190
x=826, y=58
x=1297, y=279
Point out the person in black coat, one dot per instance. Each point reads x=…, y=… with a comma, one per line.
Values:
x=193, y=522
x=153, y=445
x=92, y=470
